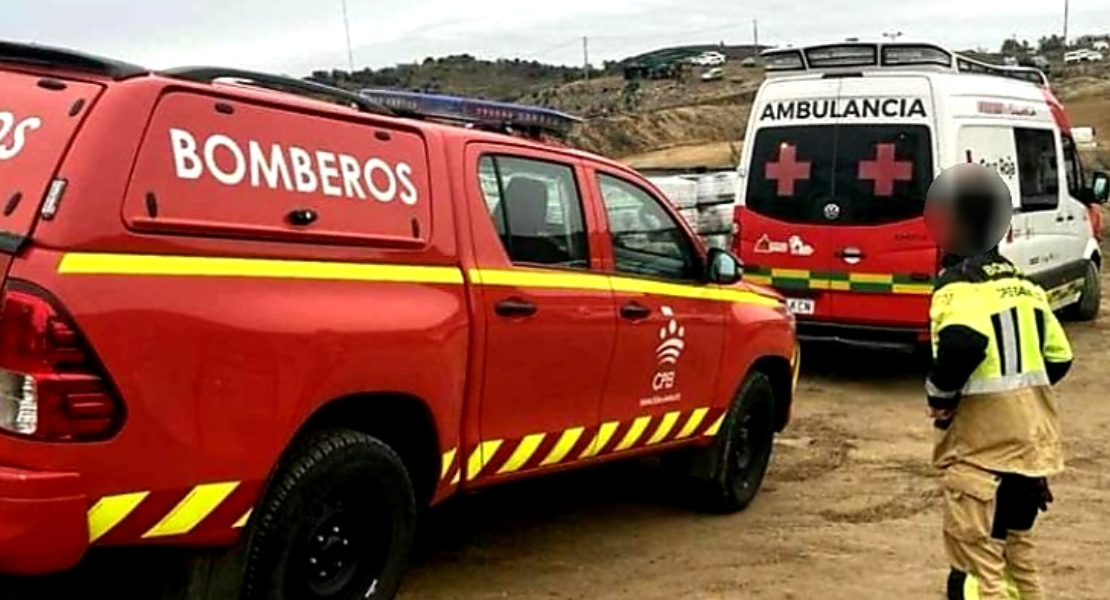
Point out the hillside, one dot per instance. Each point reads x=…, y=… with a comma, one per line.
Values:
x=504, y=80
x=676, y=123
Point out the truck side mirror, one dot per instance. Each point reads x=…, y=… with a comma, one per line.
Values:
x=1100, y=187
x=724, y=267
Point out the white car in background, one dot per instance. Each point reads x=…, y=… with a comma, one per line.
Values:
x=1085, y=55
x=710, y=59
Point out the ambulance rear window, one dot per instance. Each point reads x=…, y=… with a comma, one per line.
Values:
x=874, y=174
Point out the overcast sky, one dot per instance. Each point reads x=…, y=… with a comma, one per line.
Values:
x=297, y=36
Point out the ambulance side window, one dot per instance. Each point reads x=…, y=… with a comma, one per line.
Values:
x=1037, y=169
x=1073, y=168
x=536, y=210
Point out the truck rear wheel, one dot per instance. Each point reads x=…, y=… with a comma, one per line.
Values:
x=1086, y=308
x=743, y=447
x=336, y=524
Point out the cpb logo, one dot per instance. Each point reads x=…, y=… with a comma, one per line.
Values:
x=668, y=351
x=13, y=134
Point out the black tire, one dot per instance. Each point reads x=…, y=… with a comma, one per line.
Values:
x=742, y=450
x=1086, y=309
x=336, y=523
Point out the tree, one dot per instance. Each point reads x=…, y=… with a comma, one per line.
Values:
x=1013, y=47
x=1053, y=44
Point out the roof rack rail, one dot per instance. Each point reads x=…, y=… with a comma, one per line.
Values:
x=35, y=54
x=856, y=56
x=504, y=117
x=279, y=83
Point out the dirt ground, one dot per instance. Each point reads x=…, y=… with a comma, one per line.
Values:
x=849, y=511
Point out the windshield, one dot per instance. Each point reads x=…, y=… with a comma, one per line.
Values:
x=873, y=174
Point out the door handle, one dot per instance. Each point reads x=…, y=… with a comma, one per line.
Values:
x=1060, y=219
x=515, y=307
x=634, y=311
x=1071, y=217
x=849, y=253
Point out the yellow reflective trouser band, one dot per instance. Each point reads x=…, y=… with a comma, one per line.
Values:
x=971, y=589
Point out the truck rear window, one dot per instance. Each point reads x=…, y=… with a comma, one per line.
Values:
x=874, y=174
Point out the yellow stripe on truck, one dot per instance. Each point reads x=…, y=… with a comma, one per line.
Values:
x=86, y=263
x=110, y=511
x=201, y=266
x=193, y=508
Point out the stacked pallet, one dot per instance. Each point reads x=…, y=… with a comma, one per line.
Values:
x=705, y=201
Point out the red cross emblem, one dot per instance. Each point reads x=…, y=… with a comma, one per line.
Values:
x=787, y=170
x=885, y=170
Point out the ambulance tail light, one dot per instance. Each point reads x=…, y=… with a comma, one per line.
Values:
x=51, y=387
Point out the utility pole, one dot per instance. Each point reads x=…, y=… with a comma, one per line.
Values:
x=1065, y=25
x=755, y=34
x=347, y=27
x=586, y=56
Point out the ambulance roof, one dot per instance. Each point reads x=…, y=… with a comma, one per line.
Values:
x=859, y=56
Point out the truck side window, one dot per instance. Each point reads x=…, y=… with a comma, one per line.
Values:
x=536, y=210
x=1073, y=168
x=1037, y=169
x=646, y=239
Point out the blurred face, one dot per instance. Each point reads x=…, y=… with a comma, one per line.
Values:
x=967, y=211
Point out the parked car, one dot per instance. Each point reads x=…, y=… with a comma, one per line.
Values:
x=710, y=59
x=714, y=74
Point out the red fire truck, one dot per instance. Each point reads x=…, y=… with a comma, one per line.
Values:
x=263, y=315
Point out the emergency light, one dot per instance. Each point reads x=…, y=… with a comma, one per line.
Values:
x=858, y=56
x=473, y=111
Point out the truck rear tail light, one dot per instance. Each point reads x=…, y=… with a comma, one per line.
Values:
x=51, y=386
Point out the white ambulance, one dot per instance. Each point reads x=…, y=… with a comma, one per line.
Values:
x=843, y=142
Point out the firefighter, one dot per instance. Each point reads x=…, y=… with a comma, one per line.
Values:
x=997, y=351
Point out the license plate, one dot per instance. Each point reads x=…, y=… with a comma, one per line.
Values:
x=800, y=306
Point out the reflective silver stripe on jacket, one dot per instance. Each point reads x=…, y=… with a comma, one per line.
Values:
x=1006, y=383
x=933, y=391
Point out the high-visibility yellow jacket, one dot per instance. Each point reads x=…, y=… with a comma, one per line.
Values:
x=998, y=350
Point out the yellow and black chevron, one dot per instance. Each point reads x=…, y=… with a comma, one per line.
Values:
x=216, y=508
x=801, y=279
x=496, y=457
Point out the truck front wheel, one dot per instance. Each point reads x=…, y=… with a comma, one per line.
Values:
x=742, y=450
x=336, y=524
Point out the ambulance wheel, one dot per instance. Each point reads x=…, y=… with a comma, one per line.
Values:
x=1086, y=308
x=743, y=447
x=336, y=524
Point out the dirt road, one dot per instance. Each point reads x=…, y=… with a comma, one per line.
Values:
x=849, y=510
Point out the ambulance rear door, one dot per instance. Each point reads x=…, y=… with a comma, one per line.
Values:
x=883, y=261
x=784, y=237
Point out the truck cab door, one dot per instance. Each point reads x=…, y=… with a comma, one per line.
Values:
x=548, y=313
x=670, y=338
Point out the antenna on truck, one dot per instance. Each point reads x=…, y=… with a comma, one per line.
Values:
x=278, y=83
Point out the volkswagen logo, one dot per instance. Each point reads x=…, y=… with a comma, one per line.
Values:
x=832, y=211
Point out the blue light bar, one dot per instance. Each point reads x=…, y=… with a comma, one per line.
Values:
x=473, y=110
